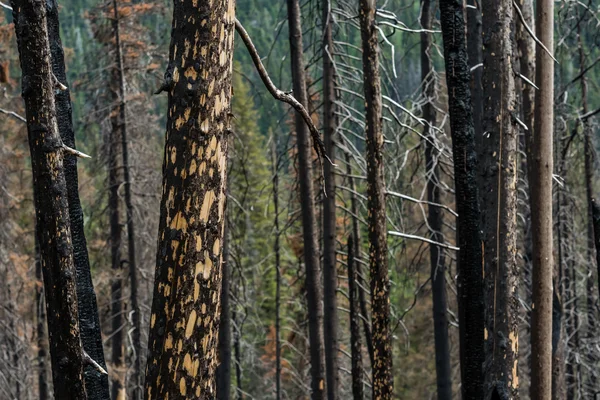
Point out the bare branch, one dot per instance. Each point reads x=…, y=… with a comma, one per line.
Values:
x=415, y=237
x=74, y=152
x=13, y=114
x=89, y=361
x=531, y=32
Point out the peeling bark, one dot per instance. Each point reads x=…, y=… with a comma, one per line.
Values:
x=184, y=322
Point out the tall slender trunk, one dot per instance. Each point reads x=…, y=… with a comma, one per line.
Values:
x=309, y=222
x=541, y=167
x=91, y=337
x=362, y=300
x=42, y=344
x=131, y=252
x=330, y=331
x=383, y=380
x=434, y=217
x=277, y=250
x=237, y=334
x=355, y=342
x=470, y=291
x=499, y=199
x=184, y=324
x=224, y=369
x=50, y=199
x=475, y=57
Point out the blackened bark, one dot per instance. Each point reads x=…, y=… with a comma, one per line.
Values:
x=474, y=52
x=309, y=221
x=131, y=252
x=499, y=201
x=96, y=384
x=184, y=323
x=355, y=342
x=383, y=380
x=470, y=285
x=42, y=343
x=362, y=298
x=224, y=369
x=434, y=217
x=330, y=328
x=50, y=198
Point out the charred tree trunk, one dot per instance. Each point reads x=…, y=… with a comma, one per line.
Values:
x=184, y=323
x=383, y=380
x=40, y=327
x=309, y=222
x=355, y=342
x=330, y=331
x=362, y=298
x=96, y=384
x=499, y=199
x=131, y=252
x=434, y=217
x=470, y=291
x=474, y=52
x=50, y=199
x=541, y=167
x=224, y=369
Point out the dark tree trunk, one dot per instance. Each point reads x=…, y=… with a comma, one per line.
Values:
x=330, y=331
x=96, y=384
x=309, y=221
x=434, y=217
x=277, y=250
x=596, y=220
x=470, y=290
x=42, y=344
x=362, y=300
x=237, y=352
x=224, y=369
x=499, y=201
x=355, y=342
x=51, y=199
x=383, y=380
x=474, y=52
x=184, y=324
x=131, y=252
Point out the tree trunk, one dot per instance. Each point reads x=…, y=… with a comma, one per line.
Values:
x=96, y=384
x=499, y=200
x=474, y=48
x=131, y=252
x=184, y=323
x=362, y=300
x=309, y=221
x=470, y=291
x=277, y=250
x=224, y=369
x=355, y=342
x=541, y=167
x=40, y=327
x=434, y=217
x=50, y=199
x=383, y=380
x=330, y=330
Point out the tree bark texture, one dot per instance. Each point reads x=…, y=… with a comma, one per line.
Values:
x=314, y=294
x=96, y=384
x=355, y=342
x=50, y=199
x=383, y=382
x=542, y=168
x=499, y=199
x=184, y=322
x=474, y=52
x=330, y=331
x=470, y=291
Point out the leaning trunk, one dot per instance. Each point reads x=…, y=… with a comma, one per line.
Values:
x=309, y=221
x=50, y=199
x=470, y=291
x=184, y=322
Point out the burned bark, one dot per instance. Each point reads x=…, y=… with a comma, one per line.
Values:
x=355, y=342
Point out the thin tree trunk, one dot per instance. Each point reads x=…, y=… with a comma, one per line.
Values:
x=596, y=223
x=277, y=250
x=474, y=50
x=499, y=200
x=131, y=252
x=309, y=222
x=362, y=300
x=541, y=167
x=383, y=380
x=470, y=291
x=355, y=342
x=237, y=334
x=434, y=217
x=50, y=199
x=96, y=384
x=224, y=369
x=330, y=330
x=184, y=323
x=40, y=327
